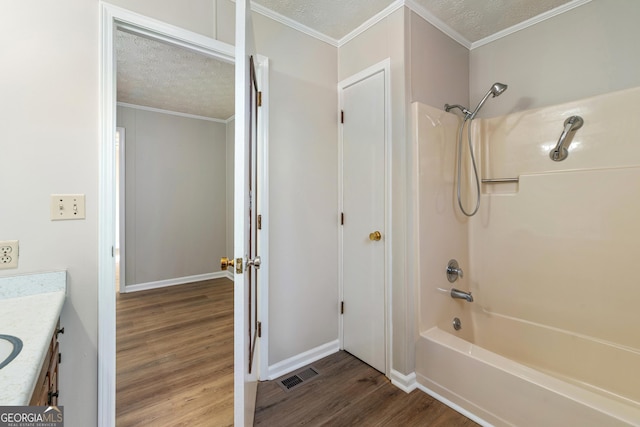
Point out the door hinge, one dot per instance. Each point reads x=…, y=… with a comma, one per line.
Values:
x=259, y=222
x=59, y=358
x=341, y=307
x=341, y=218
x=113, y=252
x=259, y=329
x=341, y=116
x=259, y=99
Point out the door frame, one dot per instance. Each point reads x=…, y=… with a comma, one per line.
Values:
x=121, y=194
x=112, y=17
x=384, y=67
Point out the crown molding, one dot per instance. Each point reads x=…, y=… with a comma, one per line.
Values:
x=438, y=23
x=424, y=14
x=293, y=24
x=529, y=22
x=371, y=21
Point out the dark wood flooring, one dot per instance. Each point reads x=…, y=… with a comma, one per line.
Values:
x=174, y=356
x=174, y=367
x=350, y=393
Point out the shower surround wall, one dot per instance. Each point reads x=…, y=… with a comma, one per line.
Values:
x=550, y=264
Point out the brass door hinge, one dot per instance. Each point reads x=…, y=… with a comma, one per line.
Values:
x=341, y=116
x=259, y=222
x=259, y=329
x=342, y=218
x=341, y=307
x=259, y=99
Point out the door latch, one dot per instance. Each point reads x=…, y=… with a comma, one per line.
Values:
x=256, y=262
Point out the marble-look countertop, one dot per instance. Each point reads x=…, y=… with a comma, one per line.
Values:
x=30, y=306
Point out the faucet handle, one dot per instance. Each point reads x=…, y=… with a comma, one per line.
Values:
x=454, y=271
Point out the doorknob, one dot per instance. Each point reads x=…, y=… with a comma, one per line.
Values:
x=375, y=236
x=226, y=262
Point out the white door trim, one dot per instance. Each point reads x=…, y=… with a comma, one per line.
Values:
x=122, y=254
x=112, y=17
x=262, y=75
x=385, y=67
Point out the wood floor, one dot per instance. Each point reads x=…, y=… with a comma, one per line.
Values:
x=174, y=356
x=174, y=367
x=350, y=393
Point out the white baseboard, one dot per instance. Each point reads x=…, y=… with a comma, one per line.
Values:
x=230, y=276
x=302, y=359
x=177, y=281
x=406, y=383
x=454, y=406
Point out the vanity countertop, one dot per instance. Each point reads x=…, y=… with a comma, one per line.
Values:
x=30, y=306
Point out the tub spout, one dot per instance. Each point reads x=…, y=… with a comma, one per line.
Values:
x=455, y=293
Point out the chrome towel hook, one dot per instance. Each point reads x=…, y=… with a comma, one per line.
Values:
x=560, y=152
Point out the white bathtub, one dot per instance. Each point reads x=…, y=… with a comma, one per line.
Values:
x=501, y=392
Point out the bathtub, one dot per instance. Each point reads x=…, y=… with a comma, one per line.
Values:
x=551, y=338
x=495, y=390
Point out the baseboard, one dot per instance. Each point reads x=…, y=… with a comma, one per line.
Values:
x=302, y=359
x=406, y=383
x=230, y=276
x=177, y=281
x=454, y=406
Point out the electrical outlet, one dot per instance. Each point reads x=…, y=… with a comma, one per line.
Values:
x=9, y=254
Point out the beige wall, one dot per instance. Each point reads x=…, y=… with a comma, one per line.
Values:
x=49, y=85
x=193, y=15
x=590, y=50
x=386, y=40
x=439, y=66
x=303, y=235
x=176, y=203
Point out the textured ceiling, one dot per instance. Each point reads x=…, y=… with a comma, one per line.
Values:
x=334, y=18
x=472, y=19
x=477, y=19
x=159, y=75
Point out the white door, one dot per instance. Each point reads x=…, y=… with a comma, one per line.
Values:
x=245, y=268
x=364, y=233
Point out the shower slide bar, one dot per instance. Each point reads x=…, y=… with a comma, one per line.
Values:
x=499, y=180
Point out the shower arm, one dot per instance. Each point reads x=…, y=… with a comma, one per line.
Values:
x=560, y=152
x=480, y=104
x=449, y=107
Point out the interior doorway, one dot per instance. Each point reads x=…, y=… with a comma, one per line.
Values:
x=365, y=216
x=117, y=19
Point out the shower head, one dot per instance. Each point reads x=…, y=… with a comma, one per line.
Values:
x=496, y=89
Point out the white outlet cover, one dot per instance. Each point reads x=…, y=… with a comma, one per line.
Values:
x=9, y=252
x=67, y=206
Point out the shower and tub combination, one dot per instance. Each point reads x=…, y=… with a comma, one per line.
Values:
x=533, y=324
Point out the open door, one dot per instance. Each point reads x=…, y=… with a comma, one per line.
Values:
x=246, y=259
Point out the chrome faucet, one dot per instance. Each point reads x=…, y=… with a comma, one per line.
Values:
x=455, y=293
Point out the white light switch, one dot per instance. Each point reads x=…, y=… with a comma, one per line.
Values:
x=67, y=206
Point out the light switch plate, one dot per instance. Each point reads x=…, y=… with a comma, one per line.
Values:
x=67, y=206
x=8, y=254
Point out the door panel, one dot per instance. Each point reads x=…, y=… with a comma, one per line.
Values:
x=364, y=206
x=245, y=378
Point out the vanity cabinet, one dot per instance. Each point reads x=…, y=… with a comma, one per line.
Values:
x=46, y=390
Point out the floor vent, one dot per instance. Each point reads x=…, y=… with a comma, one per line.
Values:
x=298, y=378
